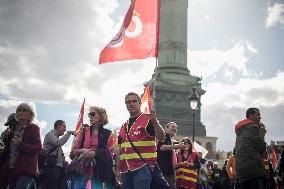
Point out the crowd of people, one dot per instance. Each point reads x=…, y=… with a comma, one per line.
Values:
x=144, y=155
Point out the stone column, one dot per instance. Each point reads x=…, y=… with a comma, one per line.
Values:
x=173, y=33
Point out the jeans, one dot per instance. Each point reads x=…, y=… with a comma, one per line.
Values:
x=256, y=183
x=22, y=182
x=171, y=179
x=138, y=179
x=79, y=183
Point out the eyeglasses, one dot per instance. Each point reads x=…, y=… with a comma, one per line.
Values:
x=185, y=143
x=92, y=114
x=22, y=110
x=131, y=101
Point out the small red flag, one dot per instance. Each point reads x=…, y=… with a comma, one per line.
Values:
x=138, y=35
x=274, y=158
x=80, y=119
x=146, y=103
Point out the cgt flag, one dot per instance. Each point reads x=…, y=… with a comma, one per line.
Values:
x=146, y=103
x=138, y=35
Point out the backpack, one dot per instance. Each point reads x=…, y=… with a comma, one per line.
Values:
x=49, y=158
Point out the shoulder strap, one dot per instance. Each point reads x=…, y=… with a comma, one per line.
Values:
x=137, y=151
x=83, y=137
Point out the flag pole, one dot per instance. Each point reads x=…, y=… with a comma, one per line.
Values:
x=79, y=124
x=154, y=85
x=156, y=66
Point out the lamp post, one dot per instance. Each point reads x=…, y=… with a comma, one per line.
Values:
x=193, y=102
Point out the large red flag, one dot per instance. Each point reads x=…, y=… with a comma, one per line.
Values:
x=80, y=119
x=146, y=103
x=273, y=158
x=138, y=35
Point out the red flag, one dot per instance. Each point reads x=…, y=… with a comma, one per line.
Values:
x=146, y=103
x=138, y=35
x=273, y=158
x=80, y=119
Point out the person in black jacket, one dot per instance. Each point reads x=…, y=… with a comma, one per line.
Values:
x=5, y=140
x=250, y=148
x=280, y=175
x=225, y=182
x=166, y=154
x=95, y=149
x=216, y=176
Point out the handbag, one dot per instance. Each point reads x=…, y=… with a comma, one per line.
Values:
x=73, y=167
x=51, y=159
x=158, y=180
x=48, y=158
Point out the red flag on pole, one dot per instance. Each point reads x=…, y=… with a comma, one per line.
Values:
x=80, y=119
x=146, y=103
x=138, y=35
x=274, y=158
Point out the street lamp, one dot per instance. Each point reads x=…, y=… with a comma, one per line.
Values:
x=193, y=102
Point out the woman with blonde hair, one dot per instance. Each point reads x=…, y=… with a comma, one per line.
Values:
x=95, y=149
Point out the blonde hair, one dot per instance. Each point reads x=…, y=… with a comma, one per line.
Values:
x=102, y=113
x=27, y=107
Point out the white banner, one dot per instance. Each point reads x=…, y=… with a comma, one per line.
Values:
x=198, y=148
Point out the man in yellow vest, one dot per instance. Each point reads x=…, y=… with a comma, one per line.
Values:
x=142, y=130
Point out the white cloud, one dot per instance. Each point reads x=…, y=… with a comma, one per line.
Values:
x=275, y=15
x=207, y=63
x=228, y=74
x=232, y=100
x=247, y=92
x=9, y=106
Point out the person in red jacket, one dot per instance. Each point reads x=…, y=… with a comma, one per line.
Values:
x=21, y=164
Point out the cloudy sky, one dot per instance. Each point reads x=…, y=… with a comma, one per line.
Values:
x=49, y=54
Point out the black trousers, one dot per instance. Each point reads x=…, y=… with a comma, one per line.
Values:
x=54, y=176
x=257, y=183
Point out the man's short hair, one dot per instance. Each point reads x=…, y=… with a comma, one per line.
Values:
x=58, y=123
x=135, y=94
x=251, y=111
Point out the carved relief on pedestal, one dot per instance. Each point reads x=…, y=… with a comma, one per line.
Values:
x=172, y=52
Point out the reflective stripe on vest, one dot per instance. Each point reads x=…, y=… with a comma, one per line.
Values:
x=136, y=156
x=186, y=176
x=138, y=143
x=266, y=168
x=144, y=143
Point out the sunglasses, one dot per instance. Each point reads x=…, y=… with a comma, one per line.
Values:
x=131, y=101
x=22, y=110
x=185, y=143
x=92, y=114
